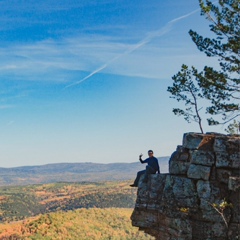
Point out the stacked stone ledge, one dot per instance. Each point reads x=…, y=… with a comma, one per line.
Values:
x=204, y=170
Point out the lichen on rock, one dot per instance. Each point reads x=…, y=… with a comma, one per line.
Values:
x=203, y=171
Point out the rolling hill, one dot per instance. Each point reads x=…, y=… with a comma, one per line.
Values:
x=84, y=224
x=20, y=202
x=73, y=172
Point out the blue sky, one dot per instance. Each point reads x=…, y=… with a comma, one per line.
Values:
x=85, y=81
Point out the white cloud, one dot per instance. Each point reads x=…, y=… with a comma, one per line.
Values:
x=94, y=54
x=2, y=107
x=46, y=6
x=129, y=55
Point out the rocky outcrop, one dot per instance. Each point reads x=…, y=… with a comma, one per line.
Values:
x=200, y=197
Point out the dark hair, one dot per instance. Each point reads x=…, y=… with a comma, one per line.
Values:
x=150, y=151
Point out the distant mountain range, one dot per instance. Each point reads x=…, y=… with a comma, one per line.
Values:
x=74, y=172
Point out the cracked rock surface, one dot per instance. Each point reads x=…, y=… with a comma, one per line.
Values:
x=203, y=172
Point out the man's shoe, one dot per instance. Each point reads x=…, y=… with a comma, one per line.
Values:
x=133, y=185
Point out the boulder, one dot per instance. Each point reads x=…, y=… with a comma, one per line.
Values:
x=186, y=203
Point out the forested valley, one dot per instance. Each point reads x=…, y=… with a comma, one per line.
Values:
x=85, y=210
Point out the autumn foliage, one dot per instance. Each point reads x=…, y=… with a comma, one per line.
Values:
x=84, y=224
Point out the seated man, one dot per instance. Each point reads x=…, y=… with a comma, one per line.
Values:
x=151, y=168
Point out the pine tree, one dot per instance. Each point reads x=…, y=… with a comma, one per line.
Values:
x=220, y=87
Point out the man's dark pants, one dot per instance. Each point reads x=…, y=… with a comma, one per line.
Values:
x=148, y=170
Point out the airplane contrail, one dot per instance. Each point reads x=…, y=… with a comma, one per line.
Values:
x=184, y=16
x=141, y=43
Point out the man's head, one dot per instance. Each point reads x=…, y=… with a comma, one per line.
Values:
x=150, y=153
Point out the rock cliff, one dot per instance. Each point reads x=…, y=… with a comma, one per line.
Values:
x=200, y=197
